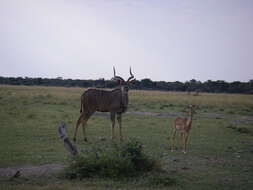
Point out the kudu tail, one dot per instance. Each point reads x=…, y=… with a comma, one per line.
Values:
x=82, y=104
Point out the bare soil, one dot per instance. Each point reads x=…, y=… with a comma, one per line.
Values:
x=236, y=118
x=46, y=170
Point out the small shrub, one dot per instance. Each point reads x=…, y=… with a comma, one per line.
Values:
x=240, y=129
x=222, y=109
x=243, y=130
x=110, y=160
x=31, y=116
x=231, y=127
x=161, y=180
x=164, y=106
x=231, y=112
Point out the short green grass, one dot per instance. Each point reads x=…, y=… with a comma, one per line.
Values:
x=220, y=156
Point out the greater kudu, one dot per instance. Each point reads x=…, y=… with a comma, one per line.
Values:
x=114, y=101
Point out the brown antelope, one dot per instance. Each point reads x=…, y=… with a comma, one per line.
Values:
x=183, y=125
x=196, y=93
x=114, y=101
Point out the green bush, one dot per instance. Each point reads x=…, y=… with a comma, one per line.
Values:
x=110, y=159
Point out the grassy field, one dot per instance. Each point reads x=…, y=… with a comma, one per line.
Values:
x=220, y=146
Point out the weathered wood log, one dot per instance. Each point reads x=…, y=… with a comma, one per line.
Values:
x=63, y=135
x=16, y=175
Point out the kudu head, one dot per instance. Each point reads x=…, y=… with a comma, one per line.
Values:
x=124, y=85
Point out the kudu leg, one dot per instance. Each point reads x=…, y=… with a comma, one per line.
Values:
x=113, y=124
x=120, y=126
x=82, y=119
x=77, y=125
x=84, y=130
x=87, y=116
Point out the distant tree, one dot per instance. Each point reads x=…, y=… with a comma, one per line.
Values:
x=161, y=85
x=100, y=83
x=193, y=85
x=235, y=87
x=250, y=86
x=215, y=86
x=177, y=86
x=147, y=83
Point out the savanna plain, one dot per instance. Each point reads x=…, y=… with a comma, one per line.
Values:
x=220, y=148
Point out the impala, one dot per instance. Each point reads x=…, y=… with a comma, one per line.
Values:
x=183, y=125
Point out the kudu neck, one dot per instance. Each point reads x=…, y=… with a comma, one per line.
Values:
x=124, y=98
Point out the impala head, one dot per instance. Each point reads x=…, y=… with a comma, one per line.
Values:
x=124, y=85
x=192, y=109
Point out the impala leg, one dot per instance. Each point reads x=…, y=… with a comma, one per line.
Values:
x=185, y=141
x=113, y=124
x=173, y=139
x=120, y=126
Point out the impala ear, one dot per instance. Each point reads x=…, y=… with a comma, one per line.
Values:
x=194, y=107
x=187, y=107
x=185, y=110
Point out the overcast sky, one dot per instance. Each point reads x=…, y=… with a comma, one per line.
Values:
x=164, y=40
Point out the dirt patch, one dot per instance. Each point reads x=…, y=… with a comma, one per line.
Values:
x=189, y=163
x=31, y=171
x=237, y=119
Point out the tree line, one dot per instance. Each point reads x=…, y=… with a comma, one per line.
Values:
x=193, y=85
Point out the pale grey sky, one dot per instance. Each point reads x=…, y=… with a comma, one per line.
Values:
x=167, y=40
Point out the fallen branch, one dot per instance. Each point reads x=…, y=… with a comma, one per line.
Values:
x=16, y=175
x=63, y=135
